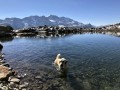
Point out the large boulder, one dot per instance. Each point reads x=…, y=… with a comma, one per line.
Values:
x=6, y=31
x=4, y=72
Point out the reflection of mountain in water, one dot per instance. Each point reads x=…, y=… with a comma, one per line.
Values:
x=117, y=34
x=46, y=35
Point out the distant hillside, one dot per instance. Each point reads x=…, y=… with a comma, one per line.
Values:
x=111, y=27
x=34, y=21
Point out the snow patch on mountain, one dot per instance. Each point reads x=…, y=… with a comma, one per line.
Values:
x=52, y=20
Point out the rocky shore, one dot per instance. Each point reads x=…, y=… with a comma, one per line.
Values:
x=9, y=78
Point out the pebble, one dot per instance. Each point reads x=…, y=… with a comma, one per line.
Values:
x=4, y=88
x=38, y=77
x=40, y=82
x=15, y=80
x=24, y=75
x=26, y=83
x=22, y=86
x=18, y=76
x=12, y=85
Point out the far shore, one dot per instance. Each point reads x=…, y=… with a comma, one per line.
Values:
x=45, y=31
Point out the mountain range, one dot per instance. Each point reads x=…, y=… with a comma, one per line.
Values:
x=34, y=21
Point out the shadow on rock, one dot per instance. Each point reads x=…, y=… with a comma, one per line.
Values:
x=1, y=47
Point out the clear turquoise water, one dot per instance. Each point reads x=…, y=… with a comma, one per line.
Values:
x=93, y=61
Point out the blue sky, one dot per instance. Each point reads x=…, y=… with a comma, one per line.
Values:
x=96, y=12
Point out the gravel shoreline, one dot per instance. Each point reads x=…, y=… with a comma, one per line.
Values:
x=9, y=78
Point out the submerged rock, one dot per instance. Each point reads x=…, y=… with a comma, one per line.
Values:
x=12, y=85
x=25, y=85
x=13, y=79
x=38, y=77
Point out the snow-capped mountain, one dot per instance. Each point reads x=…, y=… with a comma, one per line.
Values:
x=34, y=21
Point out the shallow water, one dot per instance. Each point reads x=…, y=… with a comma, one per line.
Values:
x=93, y=61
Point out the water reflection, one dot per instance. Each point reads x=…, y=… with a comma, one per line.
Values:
x=50, y=35
x=117, y=34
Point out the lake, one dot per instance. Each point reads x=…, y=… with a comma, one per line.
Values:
x=93, y=61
